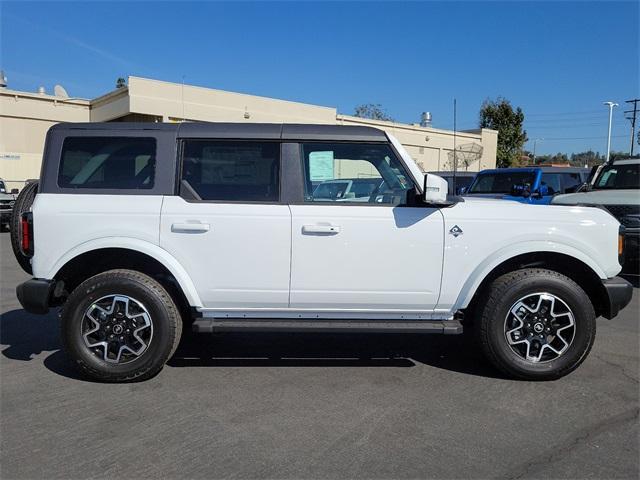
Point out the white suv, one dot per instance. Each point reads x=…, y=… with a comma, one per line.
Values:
x=137, y=229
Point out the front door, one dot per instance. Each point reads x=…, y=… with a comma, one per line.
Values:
x=356, y=245
x=227, y=227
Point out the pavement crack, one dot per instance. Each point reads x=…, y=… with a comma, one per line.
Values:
x=559, y=451
x=618, y=366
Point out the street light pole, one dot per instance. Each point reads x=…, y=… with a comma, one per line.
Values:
x=535, y=142
x=610, y=105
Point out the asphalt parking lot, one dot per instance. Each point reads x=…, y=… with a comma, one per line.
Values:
x=313, y=406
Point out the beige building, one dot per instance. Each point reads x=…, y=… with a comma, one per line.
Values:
x=25, y=118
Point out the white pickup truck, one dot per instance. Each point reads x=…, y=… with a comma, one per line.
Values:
x=139, y=229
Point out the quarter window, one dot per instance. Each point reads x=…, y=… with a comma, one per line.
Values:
x=107, y=162
x=232, y=171
x=354, y=173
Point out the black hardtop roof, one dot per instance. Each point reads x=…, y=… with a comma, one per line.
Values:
x=534, y=168
x=276, y=131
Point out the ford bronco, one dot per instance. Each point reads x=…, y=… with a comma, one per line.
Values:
x=135, y=230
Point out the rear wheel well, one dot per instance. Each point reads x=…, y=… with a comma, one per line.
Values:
x=569, y=266
x=91, y=263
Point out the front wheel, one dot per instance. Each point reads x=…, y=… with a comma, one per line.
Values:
x=120, y=325
x=536, y=324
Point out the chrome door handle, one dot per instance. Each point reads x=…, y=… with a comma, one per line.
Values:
x=322, y=229
x=190, y=227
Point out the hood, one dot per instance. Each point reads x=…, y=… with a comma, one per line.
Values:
x=483, y=195
x=599, y=197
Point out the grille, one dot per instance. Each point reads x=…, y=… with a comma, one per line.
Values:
x=619, y=211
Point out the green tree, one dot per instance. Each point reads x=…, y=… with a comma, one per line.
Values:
x=499, y=115
x=373, y=111
x=121, y=82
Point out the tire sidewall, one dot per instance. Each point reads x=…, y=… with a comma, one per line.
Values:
x=73, y=313
x=575, y=298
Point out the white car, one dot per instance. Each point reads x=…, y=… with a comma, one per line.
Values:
x=137, y=229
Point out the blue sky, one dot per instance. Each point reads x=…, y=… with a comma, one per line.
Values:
x=557, y=60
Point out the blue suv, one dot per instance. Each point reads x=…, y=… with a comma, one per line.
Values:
x=536, y=185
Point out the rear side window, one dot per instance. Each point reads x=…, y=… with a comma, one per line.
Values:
x=107, y=162
x=232, y=171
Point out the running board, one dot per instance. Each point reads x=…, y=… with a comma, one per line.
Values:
x=211, y=325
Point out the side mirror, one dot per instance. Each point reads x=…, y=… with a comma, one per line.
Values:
x=15, y=191
x=435, y=189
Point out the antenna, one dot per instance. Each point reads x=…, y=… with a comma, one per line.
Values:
x=59, y=91
x=455, y=160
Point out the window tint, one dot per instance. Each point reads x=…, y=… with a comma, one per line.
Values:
x=232, y=171
x=619, y=176
x=107, y=162
x=550, y=184
x=571, y=182
x=354, y=173
x=500, y=182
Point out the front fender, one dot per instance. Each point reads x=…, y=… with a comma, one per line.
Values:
x=142, y=246
x=500, y=256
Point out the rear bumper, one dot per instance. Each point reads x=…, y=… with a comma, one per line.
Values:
x=619, y=293
x=34, y=295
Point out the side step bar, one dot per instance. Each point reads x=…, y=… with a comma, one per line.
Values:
x=211, y=325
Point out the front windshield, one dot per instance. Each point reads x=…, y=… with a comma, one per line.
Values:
x=619, y=177
x=500, y=182
x=330, y=190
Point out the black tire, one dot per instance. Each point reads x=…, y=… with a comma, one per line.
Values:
x=23, y=204
x=503, y=293
x=163, y=313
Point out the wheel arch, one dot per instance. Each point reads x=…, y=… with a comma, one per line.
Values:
x=96, y=257
x=584, y=274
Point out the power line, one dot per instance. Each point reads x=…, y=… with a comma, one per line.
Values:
x=582, y=138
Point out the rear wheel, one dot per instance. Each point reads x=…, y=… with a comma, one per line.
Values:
x=22, y=205
x=536, y=324
x=120, y=326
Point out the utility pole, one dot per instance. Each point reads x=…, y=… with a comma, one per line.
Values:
x=610, y=105
x=633, y=112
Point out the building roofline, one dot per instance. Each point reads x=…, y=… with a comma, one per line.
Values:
x=209, y=89
x=44, y=96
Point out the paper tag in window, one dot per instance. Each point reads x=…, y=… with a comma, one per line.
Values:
x=321, y=166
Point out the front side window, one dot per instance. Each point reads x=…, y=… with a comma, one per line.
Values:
x=571, y=182
x=232, y=171
x=107, y=163
x=354, y=173
x=501, y=182
x=550, y=184
x=619, y=176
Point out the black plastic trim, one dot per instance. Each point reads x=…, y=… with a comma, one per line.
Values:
x=210, y=325
x=34, y=295
x=619, y=293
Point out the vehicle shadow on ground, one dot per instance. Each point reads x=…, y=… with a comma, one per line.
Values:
x=455, y=353
x=23, y=336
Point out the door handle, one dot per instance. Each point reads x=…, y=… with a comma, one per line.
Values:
x=190, y=227
x=321, y=229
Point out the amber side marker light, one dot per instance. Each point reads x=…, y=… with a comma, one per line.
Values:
x=621, y=245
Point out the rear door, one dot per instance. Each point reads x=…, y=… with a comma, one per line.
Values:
x=366, y=254
x=228, y=228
